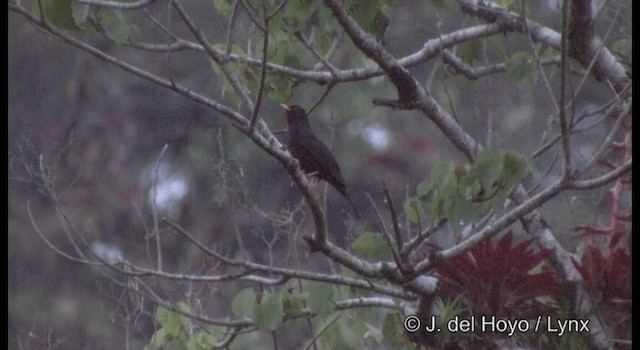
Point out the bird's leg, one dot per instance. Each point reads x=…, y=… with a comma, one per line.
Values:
x=313, y=178
x=312, y=174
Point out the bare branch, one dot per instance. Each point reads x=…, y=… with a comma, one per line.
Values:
x=214, y=54
x=327, y=64
x=565, y=153
x=263, y=68
x=422, y=236
x=604, y=179
x=626, y=108
x=238, y=120
x=116, y=5
x=394, y=222
x=605, y=66
x=154, y=209
x=291, y=273
x=497, y=225
x=324, y=95
x=231, y=27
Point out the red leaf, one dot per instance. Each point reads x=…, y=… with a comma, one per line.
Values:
x=496, y=278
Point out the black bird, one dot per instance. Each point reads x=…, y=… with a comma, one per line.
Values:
x=314, y=157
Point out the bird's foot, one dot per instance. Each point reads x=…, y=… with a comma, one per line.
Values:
x=313, y=178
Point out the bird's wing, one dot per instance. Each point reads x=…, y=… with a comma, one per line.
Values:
x=314, y=156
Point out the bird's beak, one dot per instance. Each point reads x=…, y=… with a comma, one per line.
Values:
x=285, y=107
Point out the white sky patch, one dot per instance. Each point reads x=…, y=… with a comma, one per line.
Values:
x=169, y=191
x=107, y=252
x=377, y=136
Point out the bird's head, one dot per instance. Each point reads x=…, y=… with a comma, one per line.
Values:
x=294, y=112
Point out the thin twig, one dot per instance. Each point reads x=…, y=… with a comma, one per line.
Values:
x=609, y=138
x=324, y=95
x=421, y=237
x=231, y=27
x=394, y=218
x=322, y=330
x=538, y=60
x=327, y=64
x=564, y=87
x=604, y=179
x=215, y=55
x=51, y=245
x=340, y=280
x=248, y=8
x=263, y=68
x=382, y=227
x=154, y=208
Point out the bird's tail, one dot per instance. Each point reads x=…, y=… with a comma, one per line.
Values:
x=353, y=207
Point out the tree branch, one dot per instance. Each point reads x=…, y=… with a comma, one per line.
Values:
x=605, y=66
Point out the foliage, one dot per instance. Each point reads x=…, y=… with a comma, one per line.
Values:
x=501, y=280
x=607, y=276
x=175, y=330
x=464, y=192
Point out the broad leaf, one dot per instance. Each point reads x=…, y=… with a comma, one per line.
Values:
x=371, y=246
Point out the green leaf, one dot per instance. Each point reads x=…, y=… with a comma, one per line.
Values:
x=576, y=66
x=371, y=246
x=441, y=172
x=243, y=71
x=226, y=86
x=280, y=47
x=513, y=168
x=461, y=209
x=461, y=192
x=80, y=12
x=414, y=210
x=518, y=66
x=293, y=302
x=268, y=312
x=424, y=189
x=244, y=303
x=497, y=43
x=280, y=87
x=115, y=24
x=507, y=4
x=448, y=310
x=121, y=33
x=183, y=306
x=160, y=338
x=487, y=168
x=320, y=298
x=60, y=14
x=440, y=205
x=202, y=341
x=622, y=47
x=225, y=7
x=296, y=13
x=469, y=51
x=174, y=324
x=373, y=15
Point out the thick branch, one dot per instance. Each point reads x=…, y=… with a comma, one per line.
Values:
x=589, y=51
x=410, y=93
